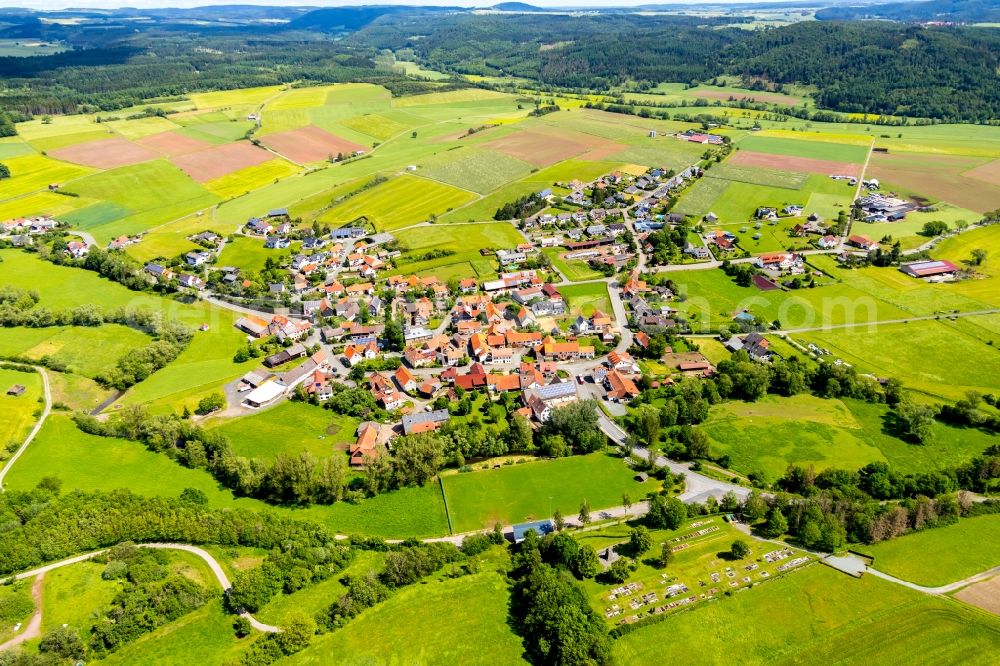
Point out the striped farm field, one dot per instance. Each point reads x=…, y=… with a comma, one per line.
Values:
x=401, y=202
x=451, y=97
x=251, y=178
x=477, y=170
x=817, y=150
x=141, y=127
x=49, y=143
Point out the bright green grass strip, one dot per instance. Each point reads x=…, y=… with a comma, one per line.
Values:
x=517, y=493
x=941, y=555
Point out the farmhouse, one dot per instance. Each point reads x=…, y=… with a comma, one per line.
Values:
x=543, y=399
x=344, y=233
x=620, y=388
x=863, y=242
x=929, y=269
x=285, y=355
x=264, y=394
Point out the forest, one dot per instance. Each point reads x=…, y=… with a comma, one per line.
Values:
x=942, y=72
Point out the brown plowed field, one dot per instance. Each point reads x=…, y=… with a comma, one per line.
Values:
x=789, y=163
x=219, y=161
x=985, y=595
x=989, y=172
x=605, y=151
x=309, y=144
x=172, y=143
x=938, y=177
x=542, y=148
x=106, y=153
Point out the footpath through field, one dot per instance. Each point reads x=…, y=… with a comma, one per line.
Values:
x=34, y=431
x=34, y=626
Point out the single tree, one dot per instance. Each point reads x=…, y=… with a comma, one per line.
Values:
x=639, y=541
x=558, y=521
x=666, y=555
x=739, y=549
x=627, y=503
x=584, y=513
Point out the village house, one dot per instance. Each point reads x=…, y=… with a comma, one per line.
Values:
x=190, y=281
x=198, y=258
x=863, y=242
x=76, y=249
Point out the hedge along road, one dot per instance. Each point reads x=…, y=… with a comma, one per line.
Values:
x=32, y=630
x=34, y=431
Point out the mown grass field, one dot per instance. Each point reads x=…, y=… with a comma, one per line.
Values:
x=463, y=240
x=248, y=253
x=936, y=357
x=17, y=413
x=585, y=298
x=795, y=147
x=574, y=270
x=713, y=299
x=819, y=616
x=84, y=350
x=457, y=635
x=401, y=202
x=959, y=248
x=768, y=435
x=516, y=493
x=941, y=555
x=289, y=428
x=153, y=192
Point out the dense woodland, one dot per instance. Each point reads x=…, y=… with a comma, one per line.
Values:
x=943, y=72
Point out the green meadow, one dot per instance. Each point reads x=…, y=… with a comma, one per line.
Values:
x=17, y=413
x=941, y=555
x=533, y=491
x=463, y=241
x=289, y=428
x=767, y=436
x=855, y=620
x=88, y=462
x=456, y=635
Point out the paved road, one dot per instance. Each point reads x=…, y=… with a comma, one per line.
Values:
x=212, y=563
x=34, y=431
x=856, y=566
x=698, y=486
